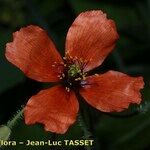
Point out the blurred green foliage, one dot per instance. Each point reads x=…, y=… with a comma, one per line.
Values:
x=131, y=55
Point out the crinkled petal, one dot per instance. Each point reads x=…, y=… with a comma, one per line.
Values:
x=112, y=91
x=55, y=108
x=35, y=54
x=91, y=38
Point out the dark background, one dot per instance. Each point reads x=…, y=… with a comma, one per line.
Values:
x=129, y=130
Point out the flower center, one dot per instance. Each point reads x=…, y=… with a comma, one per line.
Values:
x=73, y=71
x=73, y=77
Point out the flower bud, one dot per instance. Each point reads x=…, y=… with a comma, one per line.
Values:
x=5, y=132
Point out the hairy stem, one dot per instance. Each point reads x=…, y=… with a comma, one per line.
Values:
x=86, y=132
x=15, y=118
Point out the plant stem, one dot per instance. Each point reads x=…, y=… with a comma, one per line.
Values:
x=86, y=132
x=16, y=117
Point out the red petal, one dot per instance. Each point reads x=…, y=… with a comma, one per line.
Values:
x=55, y=108
x=91, y=38
x=34, y=53
x=112, y=91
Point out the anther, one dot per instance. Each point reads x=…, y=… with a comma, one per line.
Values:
x=78, y=79
x=63, y=75
x=96, y=74
x=67, y=89
x=66, y=52
x=79, y=71
x=84, y=77
x=81, y=60
x=76, y=57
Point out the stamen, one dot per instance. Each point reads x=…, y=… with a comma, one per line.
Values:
x=81, y=60
x=84, y=78
x=78, y=79
x=79, y=71
x=66, y=52
x=63, y=75
x=57, y=64
x=96, y=74
x=67, y=89
x=64, y=58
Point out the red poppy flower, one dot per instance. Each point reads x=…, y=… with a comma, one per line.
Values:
x=89, y=40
